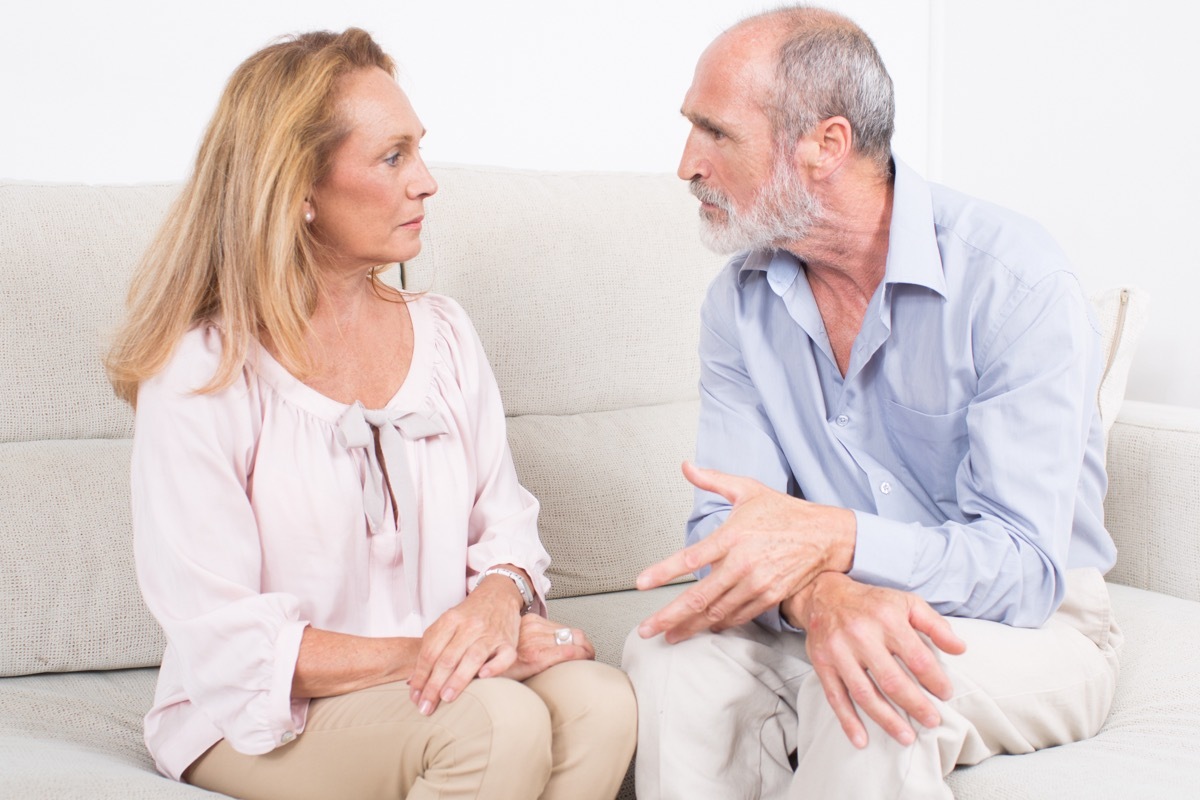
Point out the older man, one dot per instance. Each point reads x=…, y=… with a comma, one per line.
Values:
x=898, y=523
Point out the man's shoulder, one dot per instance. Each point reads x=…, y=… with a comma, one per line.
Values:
x=975, y=235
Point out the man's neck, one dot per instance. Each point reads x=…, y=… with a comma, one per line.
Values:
x=847, y=248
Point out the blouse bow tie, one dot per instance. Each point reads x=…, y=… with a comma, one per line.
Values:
x=388, y=469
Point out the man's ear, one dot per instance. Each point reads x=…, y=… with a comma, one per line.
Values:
x=832, y=141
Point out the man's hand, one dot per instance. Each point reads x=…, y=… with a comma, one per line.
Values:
x=858, y=638
x=538, y=649
x=477, y=636
x=769, y=547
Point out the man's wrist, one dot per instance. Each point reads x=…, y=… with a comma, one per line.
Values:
x=841, y=553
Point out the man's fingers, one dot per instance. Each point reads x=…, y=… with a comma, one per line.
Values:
x=924, y=619
x=866, y=696
x=839, y=700
x=731, y=487
x=697, y=608
x=683, y=562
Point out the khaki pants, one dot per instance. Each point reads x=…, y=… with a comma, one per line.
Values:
x=720, y=715
x=566, y=733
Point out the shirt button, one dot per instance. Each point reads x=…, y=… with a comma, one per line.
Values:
x=842, y=420
x=287, y=737
x=885, y=488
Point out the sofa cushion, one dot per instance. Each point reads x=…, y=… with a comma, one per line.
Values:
x=67, y=584
x=80, y=736
x=68, y=254
x=613, y=498
x=1151, y=731
x=1154, y=453
x=585, y=287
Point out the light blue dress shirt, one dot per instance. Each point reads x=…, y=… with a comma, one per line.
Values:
x=965, y=434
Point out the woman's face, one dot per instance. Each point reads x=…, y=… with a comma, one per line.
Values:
x=368, y=208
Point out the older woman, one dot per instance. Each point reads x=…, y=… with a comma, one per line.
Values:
x=327, y=520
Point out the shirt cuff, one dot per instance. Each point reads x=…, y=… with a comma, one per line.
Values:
x=884, y=552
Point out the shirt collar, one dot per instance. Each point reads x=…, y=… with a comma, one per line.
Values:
x=913, y=255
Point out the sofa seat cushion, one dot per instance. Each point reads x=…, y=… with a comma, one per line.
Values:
x=79, y=735
x=1150, y=746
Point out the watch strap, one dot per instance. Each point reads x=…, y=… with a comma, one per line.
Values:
x=519, y=580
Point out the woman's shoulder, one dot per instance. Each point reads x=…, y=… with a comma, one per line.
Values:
x=194, y=362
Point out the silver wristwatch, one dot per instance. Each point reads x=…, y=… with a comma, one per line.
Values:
x=519, y=580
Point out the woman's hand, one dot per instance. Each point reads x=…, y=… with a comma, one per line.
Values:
x=538, y=648
x=478, y=637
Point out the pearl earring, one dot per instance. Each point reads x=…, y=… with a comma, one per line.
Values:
x=308, y=217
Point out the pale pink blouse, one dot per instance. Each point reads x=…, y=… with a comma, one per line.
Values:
x=263, y=508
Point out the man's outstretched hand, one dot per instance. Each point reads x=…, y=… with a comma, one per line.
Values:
x=769, y=547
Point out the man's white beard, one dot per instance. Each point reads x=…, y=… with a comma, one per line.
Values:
x=783, y=211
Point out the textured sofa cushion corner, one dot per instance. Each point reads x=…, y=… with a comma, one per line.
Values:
x=67, y=584
x=67, y=256
x=1154, y=453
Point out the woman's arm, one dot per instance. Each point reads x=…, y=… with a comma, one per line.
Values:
x=336, y=663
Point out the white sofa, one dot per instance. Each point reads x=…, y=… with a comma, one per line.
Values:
x=585, y=289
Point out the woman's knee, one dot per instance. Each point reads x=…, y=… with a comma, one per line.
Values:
x=515, y=722
x=591, y=696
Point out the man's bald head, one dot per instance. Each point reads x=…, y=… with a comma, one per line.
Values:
x=821, y=65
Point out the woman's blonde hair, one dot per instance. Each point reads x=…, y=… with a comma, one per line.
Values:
x=234, y=248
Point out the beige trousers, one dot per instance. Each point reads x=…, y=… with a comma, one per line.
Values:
x=566, y=733
x=724, y=715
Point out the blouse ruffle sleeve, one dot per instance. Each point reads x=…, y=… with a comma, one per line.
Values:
x=198, y=555
x=502, y=528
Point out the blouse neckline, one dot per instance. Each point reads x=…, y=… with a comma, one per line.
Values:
x=410, y=395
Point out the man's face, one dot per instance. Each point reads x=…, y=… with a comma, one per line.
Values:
x=750, y=194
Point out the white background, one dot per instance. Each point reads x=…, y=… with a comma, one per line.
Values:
x=1080, y=113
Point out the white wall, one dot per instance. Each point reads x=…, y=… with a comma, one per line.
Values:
x=1083, y=114
x=1027, y=103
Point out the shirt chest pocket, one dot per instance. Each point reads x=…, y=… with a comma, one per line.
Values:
x=931, y=446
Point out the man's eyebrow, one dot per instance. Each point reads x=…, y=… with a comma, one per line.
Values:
x=703, y=121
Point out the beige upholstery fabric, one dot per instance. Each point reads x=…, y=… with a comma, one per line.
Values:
x=80, y=736
x=67, y=254
x=608, y=618
x=1149, y=746
x=1154, y=453
x=613, y=498
x=585, y=287
x=1122, y=313
x=68, y=596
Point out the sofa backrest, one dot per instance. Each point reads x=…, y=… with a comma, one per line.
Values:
x=584, y=287
x=68, y=597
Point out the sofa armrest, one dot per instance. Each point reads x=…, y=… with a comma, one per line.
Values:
x=1153, y=505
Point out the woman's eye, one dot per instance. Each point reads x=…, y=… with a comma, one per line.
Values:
x=392, y=160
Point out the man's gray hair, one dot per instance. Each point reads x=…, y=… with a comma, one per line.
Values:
x=829, y=67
